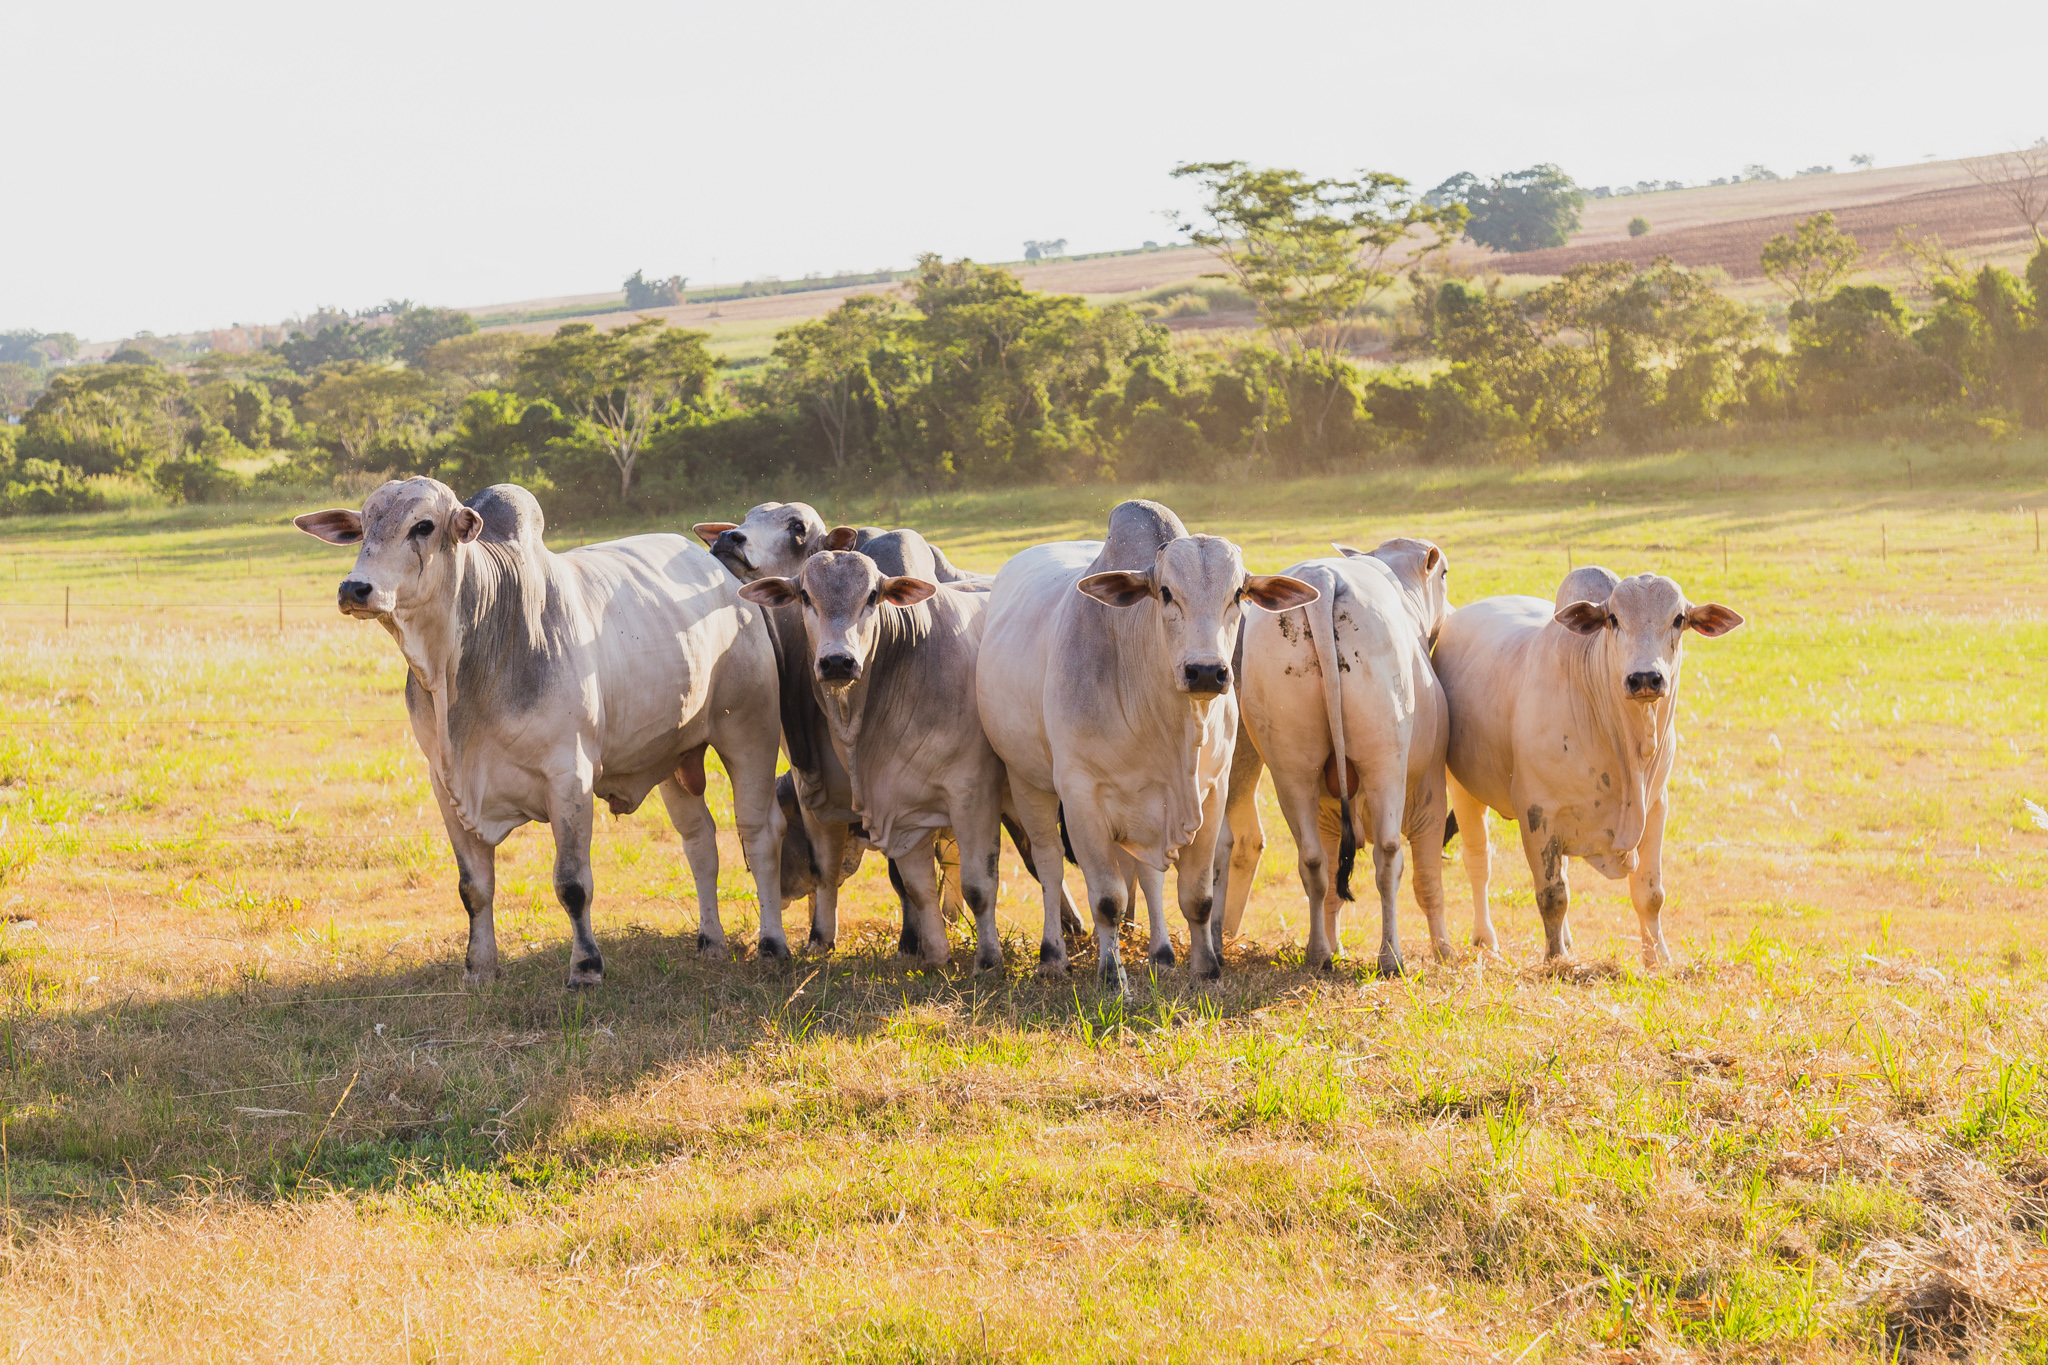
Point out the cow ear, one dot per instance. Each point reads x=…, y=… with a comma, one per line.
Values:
x=1347, y=551
x=1278, y=592
x=770, y=592
x=336, y=526
x=841, y=538
x=1118, y=587
x=1712, y=619
x=710, y=531
x=468, y=524
x=906, y=591
x=1432, y=559
x=1584, y=618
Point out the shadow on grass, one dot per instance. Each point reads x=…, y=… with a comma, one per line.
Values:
x=383, y=1078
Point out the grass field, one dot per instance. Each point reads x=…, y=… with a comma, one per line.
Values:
x=249, y=1112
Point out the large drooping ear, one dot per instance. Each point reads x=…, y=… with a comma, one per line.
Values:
x=467, y=525
x=710, y=531
x=1278, y=592
x=906, y=591
x=336, y=526
x=1118, y=587
x=771, y=592
x=1712, y=619
x=841, y=538
x=1585, y=618
x=1347, y=551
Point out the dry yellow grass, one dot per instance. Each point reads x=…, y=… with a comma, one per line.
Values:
x=249, y=1111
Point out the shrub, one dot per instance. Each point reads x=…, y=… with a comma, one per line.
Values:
x=1638, y=226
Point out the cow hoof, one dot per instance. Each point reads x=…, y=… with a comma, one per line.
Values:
x=1213, y=971
x=585, y=981
x=906, y=943
x=1053, y=960
x=477, y=980
x=712, y=949
x=1114, y=981
x=990, y=961
x=818, y=943
x=1162, y=956
x=773, y=949
x=1319, y=962
x=1390, y=964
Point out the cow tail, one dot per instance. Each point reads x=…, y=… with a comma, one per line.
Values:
x=1321, y=617
x=1066, y=844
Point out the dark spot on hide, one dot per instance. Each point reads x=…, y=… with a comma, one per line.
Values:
x=995, y=864
x=976, y=897
x=574, y=898
x=703, y=941
x=1606, y=779
x=1106, y=909
x=1164, y=956
x=472, y=900
x=593, y=965
x=1202, y=909
x=1535, y=820
x=1553, y=858
x=1048, y=952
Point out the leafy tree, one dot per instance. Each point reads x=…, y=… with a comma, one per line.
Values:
x=1035, y=251
x=339, y=344
x=416, y=329
x=1809, y=264
x=645, y=293
x=1313, y=253
x=1527, y=210
x=360, y=407
x=837, y=365
x=1462, y=188
x=36, y=349
x=1855, y=355
x=19, y=385
x=108, y=419
x=500, y=437
x=621, y=381
x=1863, y=161
x=478, y=360
x=1753, y=171
x=1638, y=226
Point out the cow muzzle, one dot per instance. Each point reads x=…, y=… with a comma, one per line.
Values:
x=357, y=598
x=1648, y=685
x=838, y=670
x=730, y=549
x=1204, y=681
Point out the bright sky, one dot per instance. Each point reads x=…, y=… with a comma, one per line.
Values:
x=174, y=167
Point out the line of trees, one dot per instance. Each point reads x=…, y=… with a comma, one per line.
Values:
x=964, y=374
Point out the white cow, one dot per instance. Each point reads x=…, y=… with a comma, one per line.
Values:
x=1104, y=685
x=1344, y=686
x=891, y=658
x=1564, y=718
x=536, y=680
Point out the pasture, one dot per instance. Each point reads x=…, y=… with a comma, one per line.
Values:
x=250, y=1112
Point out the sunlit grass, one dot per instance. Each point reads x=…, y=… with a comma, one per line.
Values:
x=249, y=1110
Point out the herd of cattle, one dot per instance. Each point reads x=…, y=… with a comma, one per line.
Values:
x=1111, y=702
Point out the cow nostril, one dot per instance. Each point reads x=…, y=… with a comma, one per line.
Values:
x=1646, y=682
x=360, y=592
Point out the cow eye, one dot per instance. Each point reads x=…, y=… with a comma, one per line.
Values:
x=874, y=597
x=1679, y=622
x=796, y=530
x=422, y=528
x=1165, y=595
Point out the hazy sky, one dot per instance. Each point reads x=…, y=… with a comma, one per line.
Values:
x=173, y=167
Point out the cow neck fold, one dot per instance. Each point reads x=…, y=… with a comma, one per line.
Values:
x=898, y=632
x=1140, y=656
x=499, y=593
x=1639, y=737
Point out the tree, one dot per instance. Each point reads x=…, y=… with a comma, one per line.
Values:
x=1639, y=226
x=1810, y=263
x=108, y=419
x=36, y=349
x=337, y=344
x=480, y=360
x=416, y=329
x=1527, y=210
x=1036, y=251
x=1753, y=171
x=645, y=293
x=19, y=385
x=828, y=366
x=621, y=381
x=2020, y=178
x=358, y=407
x=1863, y=161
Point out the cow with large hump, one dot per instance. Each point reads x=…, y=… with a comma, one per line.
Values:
x=1564, y=719
x=891, y=657
x=536, y=681
x=1105, y=687
x=826, y=839
x=1340, y=701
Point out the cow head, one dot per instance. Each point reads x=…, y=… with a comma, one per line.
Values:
x=1647, y=616
x=1199, y=583
x=773, y=542
x=842, y=593
x=1422, y=571
x=407, y=533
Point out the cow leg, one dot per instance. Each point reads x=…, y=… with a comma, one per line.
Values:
x=570, y=818
x=1298, y=795
x=1426, y=847
x=828, y=853
x=1195, y=879
x=476, y=866
x=1646, y=889
x=1102, y=865
x=1070, y=919
x=946, y=850
x=1243, y=839
x=979, y=872
x=1038, y=815
x=749, y=759
x=1330, y=825
x=1550, y=868
x=1478, y=855
x=1383, y=812
x=691, y=816
x=919, y=874
x=1152, y=881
